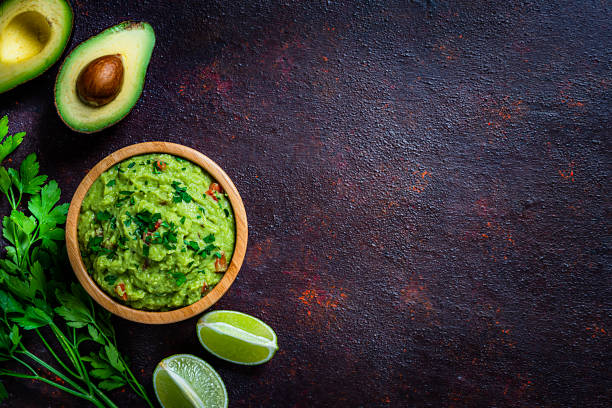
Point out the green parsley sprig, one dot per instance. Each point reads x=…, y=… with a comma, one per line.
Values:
x=35, y=296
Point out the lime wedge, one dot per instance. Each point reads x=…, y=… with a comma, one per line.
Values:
x=186, y=381
x=237, y=337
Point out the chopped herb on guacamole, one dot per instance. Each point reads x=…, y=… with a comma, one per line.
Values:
x=209, y=238
x=110, y=279
x=111, y=183
x=179, y=278
x=94, y=244
x=180, y=193
x=103, y=215
x=207, y=249
x=122, y=241
x=193, y=245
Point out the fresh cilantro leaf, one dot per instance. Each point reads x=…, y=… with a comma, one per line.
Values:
x=209, y=238
x=111, y=183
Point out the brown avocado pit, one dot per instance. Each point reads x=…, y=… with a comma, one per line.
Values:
x=101, y=80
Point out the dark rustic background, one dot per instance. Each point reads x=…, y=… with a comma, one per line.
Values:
x=427, y=186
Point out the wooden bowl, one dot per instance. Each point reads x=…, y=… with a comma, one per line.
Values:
x=143, y=316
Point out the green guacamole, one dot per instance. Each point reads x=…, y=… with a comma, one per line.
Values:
x=156, y=232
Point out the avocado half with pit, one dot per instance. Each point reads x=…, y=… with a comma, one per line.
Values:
x=101, y=80
x=33, y=34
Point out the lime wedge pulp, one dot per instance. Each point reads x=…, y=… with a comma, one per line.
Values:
x=186, y=381
x=237, y=337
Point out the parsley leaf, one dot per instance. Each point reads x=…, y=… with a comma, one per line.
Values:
x=11, y=142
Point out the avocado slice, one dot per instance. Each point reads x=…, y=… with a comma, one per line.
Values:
x=33, y=35
x=101, y=80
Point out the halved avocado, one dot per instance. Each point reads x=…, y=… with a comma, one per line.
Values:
x=33, y=34
x=102, y=78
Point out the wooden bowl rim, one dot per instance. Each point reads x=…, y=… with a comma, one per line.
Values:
x=143, y=316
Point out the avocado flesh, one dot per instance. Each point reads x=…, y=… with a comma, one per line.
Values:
x=33, y=34
x=133, y=42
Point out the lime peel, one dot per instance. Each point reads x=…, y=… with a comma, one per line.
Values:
x=237, y=337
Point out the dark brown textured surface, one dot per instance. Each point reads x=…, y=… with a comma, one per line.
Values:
x=427, y=186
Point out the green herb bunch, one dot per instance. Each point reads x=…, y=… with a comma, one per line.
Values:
x=35, y=297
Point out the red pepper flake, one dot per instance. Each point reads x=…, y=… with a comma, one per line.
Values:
x=120, y=291
x=161, y=165
x=221, y=263
x=204, y=288
x=157, y=225
x=211, y=190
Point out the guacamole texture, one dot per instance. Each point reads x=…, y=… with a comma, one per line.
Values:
x=156, y=232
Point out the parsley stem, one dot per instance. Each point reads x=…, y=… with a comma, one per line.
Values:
x=81, y=364
x=67, y=347
x=23, y=363
x=37, y=377
x=52, y=370
x=103, y=396
x=64, y=366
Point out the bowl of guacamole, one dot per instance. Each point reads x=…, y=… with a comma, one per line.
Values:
x=156, y=232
